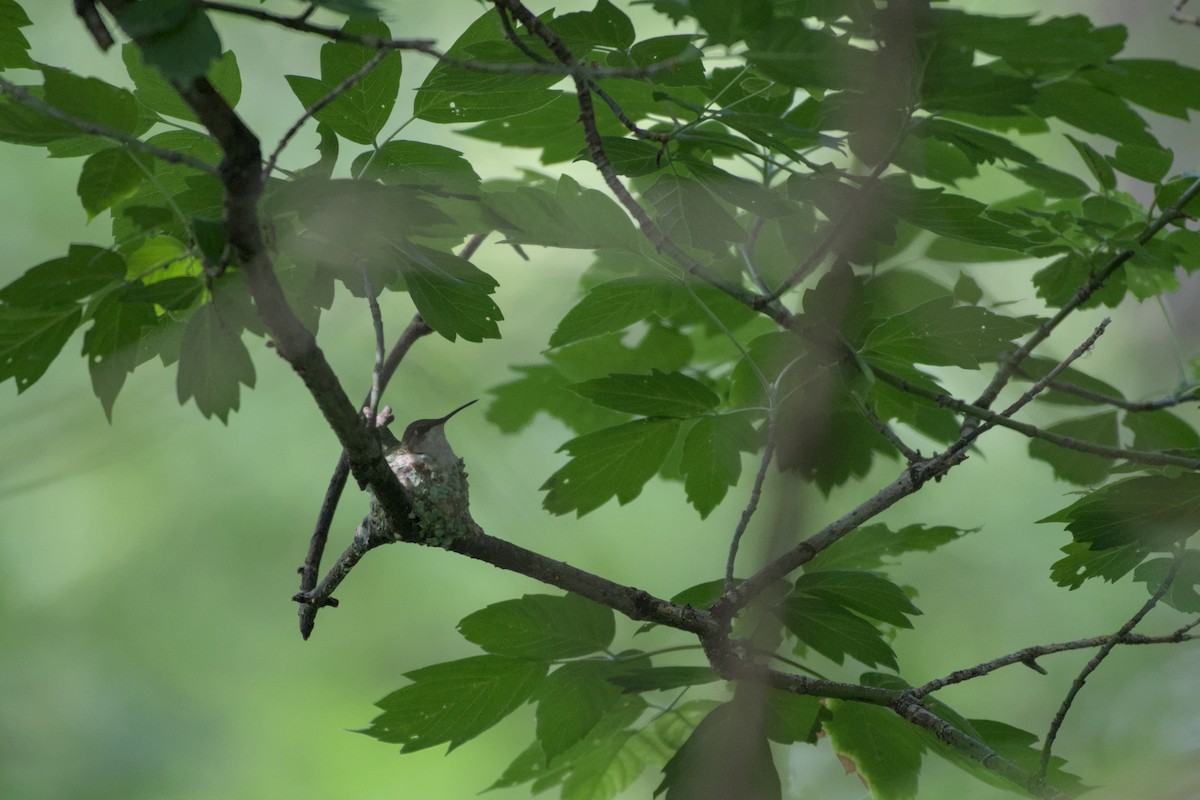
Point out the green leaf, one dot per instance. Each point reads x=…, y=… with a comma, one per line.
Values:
x=949, y=215
x=83, y=271
x=430, y=166
x=612, y=462
x=656, y=679
x=31, y=338
x=884, y=749
x=553, y=127
x=542, y=627
x=612, y=306
x=603, y=26
x=869, y=546
x=14, y=46
x=862, y=592
x=544, y=388
x=1054, y=46
x=570, y=216
x=455, y=701
x=1082, y=561
x=940, y=333
x=790, y=52
x=1160, y=85
x=451, y=94
x=153, y=91
x=1073, y=466
x=1182, y=594
x=727, y=755
x=1153, y=510
x=1097, y=164
x=1034, y=368
x=712, y=458
x=688, y=214
x=452, y=294
x=213, y=361
x=173, y=294
x=729, y=21
x=1158, y=430
x=1150, y=164
x=835, y=631
x=92, y=100
x=659, y=394
x=359, y=112
x=792, y=718
x=571, y=701
x=110, y=176
x=175, y=36
x=1078, y=103
x=112, y=343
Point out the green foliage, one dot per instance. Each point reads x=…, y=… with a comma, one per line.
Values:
x=798, y=208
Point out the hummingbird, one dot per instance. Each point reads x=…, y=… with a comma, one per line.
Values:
x=433, y=477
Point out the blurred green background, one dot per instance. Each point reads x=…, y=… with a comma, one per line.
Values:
x=148, y=645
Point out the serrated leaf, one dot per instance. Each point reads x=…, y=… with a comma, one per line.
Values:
x=85, y=269
x=610, y=307
x=176, y=36
x=883, y=749
x=543, y=388
x=949, y=215
x=406, y=163
x=213, y=362
x=571, y=701
x=688, y=214
x=941, y=333
x=110, y=176
x=659, y=394
x=359, y=112
x=455, y=701
x=31, y=338
x=451, y=94
x=1070, y=465
x=653, y=679
x=93, y=100
x=727, y=755
x=1154, y=511
x=870, y=544
x=1096, y=163
x=111, y=344
x=570, y=216
x=603, y=26
x=452, y=294
x=1082, y=561
x=835, y=631
x=712, y=458
x=1182, y=594
x=863, y=592
x=14, y=46
x=539, y=626
x=1161, y=430
x=612, y=462
x=153, y=91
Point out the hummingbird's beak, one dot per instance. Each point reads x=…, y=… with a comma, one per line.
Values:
x=455, y=411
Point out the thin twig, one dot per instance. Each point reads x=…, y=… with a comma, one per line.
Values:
x=1082, y=295
x=377, y=371
x=325, y=100
x=1038, y=386
x=1103, y=398
x=1095, y=661
x=910, y=455
x=104, y=131
x=1177, y=16
x=427, y=46
x=1029, y=656
x=752, y=503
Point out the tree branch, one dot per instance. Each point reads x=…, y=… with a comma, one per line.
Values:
x=104, y=131
x=1029, y=655
x=1082, y=294
x=1094, y=663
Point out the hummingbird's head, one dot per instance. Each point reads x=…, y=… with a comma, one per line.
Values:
x=417, y=432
